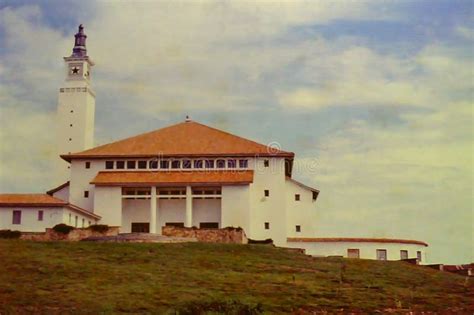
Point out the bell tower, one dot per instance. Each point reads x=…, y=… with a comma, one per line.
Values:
x=76, y=105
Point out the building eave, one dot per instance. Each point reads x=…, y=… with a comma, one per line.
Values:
x=354, y=240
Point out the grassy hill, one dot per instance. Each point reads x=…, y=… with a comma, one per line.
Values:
x=193, y=277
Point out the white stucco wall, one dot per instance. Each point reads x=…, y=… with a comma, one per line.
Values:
x=302, y=212
x=206, y=210
x=108, y=204
x=62, y=194
x=80, y=182
x=29, y=218
x=170, y=210
x=137, y=211
x=268, y=209
x=366, y=250
x=235, y=207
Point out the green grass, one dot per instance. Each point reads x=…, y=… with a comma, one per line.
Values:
x=61, y=277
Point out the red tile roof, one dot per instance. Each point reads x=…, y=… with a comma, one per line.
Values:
x=183, y=139
x=39, y=200
x=174, y=178
x=357, y=240
x=30, y=200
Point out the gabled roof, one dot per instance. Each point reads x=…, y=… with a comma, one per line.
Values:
x=56, y=189
x=184, y=139
x=39, y=200
x=200, y=178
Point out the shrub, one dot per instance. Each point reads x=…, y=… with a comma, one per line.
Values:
x=63, y=228
x=219, y=307
x=100, y=228
x=9, y=234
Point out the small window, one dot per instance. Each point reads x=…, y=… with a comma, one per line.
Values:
x=131, y=164
x=40, y=215
x=298, y=228
x=70, y=218
x=353, y=253
x=232, y=163
x=88, y=164
x=297, y=197
x=220, y=163
x=209, y=163
x=403, y=254
x=381, y=254
x=153, y=165
x=142, y=165
x=175, y=164
x=83, y=222
x=164, y=164
x=109, y=165
x=120, y=165
x=89, y=223
x=315, y=195
x=72, y=111
x=70, y=125
x=70, y=139
x=266, y=193
x=186, y=164
x=266, y=163
x=198, y=164
x=16, y=217
x=175, y=224
x=75, y=221
x=243, y=163
x=208, y=225
x=418, y=256
x=267, y=225
x=86, y=194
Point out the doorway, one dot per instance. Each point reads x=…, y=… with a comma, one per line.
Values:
x=140, y=227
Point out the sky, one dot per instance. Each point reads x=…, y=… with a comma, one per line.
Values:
x=374, y=97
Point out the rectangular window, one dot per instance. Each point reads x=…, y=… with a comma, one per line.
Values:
x=89, y=223
x=83, y=222
x=40, y=215
x=243, y=163
x=109, y=165
x=86, y=194
x=187, y=164
x=16, y=217
x=266, y=193
x=142, y=165
x=75, y=221
x=266, y=163
x=164, y=164
x=198, y=164
x=176, y=224
x=88, y=164
x=298, y=228
x=232, y=163
x=403, y=254
x=418, y=256
x=153, y=165
x=297, y=197
x=353, y=253
x=209, y=163
x=315, y=195
x=120, y=165
x=220, y=163
x=381, y=254
x=70, y=219
x=208, y=225
x=175, y=164
x=267, y=225
x=131, y=164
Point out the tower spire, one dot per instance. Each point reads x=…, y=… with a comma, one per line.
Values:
x=79, y=49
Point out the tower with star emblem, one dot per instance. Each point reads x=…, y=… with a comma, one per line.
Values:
x=76, y=105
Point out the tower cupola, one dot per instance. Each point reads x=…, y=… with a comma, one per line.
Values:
x=79, y=49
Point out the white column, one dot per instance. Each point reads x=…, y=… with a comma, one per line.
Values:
x=189, y=207
x=153, y=208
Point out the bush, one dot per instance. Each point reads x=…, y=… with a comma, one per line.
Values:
x=63, y=228
x=100, y=228
x=9, y=234
x=219, y=307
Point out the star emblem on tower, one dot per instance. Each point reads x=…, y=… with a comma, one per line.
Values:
x=75, y=70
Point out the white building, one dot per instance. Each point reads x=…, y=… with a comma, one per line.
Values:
x=187, y=174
